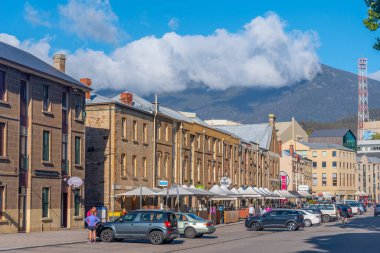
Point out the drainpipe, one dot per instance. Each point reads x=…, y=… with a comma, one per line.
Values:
x=111, y=183
x=204, y=157
x=223, y=158
x=154, y=141
x=180, y=155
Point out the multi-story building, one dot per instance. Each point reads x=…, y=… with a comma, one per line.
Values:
x=295, y=171
x=334, y=169
x=290, y=130
x=42, y=143
x=344, y=137
x=369, y=148
x=368, y=177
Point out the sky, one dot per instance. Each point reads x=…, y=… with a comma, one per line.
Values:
x=149, y=46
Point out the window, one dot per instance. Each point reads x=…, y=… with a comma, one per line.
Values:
x=199, y=170
x=2, y=85
x=76, y=202
x=323, y=164
x=184, y=138
x=144, y=167
x=134, y=132
x=134, y=166
x=324, y=153
x=198, y=141
x=324, y=183
x=314, y=153
x=334, y=179
x=166, y=158
x=315, y=179
x=159, y=164
x=145, y=133
x=64, y=154
x=46, y=102
x=64, y=100
x=124, y=127
x=147, y=217
x=78, y=106
x=129, y=217
x=46, y=146
x=123, y=165
x=315, y=164
x=334, y=164
x=2, y=139
x=334, y=154
x=78, y=150
x=2, y=192
x=159, y=131
x=45, y=201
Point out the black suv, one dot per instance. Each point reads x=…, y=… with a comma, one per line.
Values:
x=278, y=218
x=156, y=225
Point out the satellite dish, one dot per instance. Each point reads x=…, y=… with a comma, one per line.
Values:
x=75, y=182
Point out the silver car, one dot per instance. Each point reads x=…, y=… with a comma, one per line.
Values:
x=193, y=226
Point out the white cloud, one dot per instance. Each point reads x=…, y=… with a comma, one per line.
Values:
x=375, y=75
x=262, y=54
x=36, y=17
x=90, y=19
x=39, y=48
x=173, y=23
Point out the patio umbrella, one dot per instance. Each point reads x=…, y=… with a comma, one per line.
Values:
x=141, y=191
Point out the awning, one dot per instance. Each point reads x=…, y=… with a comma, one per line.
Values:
x=173, y=192
x=141, y=191
x=295, y=193
x=305, y=193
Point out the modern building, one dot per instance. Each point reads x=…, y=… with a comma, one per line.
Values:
x=334, y=168
x=42, y=144
x=343, y=137
x=368, y=178
x=295, y=171
x=369, y=147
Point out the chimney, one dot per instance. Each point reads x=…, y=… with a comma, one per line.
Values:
x=272, y=120
x=279, y=142
x=126, y=98
x=87, y=82
x=59, y=62
x=291, y=150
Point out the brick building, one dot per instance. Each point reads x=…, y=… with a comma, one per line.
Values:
x=42, y=143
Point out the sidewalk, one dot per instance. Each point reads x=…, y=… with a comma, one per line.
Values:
x=40, y=239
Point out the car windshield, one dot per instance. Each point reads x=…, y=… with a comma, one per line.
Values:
x=195, y=217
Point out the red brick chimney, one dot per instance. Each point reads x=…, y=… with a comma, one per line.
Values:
x=291, y=150
x=126, y=98
x=87, y=82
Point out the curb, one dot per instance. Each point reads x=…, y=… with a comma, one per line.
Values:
x=42, y=245
x=229, y=224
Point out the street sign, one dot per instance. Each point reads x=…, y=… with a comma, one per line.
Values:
x=303, y=188
x=163, y=183
x=225, y=181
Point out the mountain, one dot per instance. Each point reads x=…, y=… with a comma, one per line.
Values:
x=330, y=96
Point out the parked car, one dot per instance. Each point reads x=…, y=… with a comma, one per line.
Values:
x=278, y=218
x=362, y=208
x=346, y=208
x=310, y=218
x=193, y=226
x=376, y=210
x=354, y=206
x=314, y=211
x=155, y=225
x=329, y=211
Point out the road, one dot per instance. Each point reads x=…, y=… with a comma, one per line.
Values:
x=362, y=234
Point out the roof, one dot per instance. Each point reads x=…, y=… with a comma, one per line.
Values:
x=368, y=142
x=370, y=159
x=324, y=146
x=282, y=127
x=20, y=57
x=330, y=132
x=260, y=133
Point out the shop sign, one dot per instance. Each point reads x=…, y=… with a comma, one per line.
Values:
x=284, y=180
x=163, y=183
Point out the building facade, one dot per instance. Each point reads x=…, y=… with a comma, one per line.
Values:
x=344, y=137
x=42, y=144
x=368, y=178
x=334, y=169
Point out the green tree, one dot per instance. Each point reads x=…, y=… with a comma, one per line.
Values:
x=372, y=22
x=376, y=136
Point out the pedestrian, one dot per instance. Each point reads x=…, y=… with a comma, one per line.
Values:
x=91, y=221
x=92, y=210
x=251, y=210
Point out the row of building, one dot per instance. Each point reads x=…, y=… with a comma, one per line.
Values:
x=53, y=129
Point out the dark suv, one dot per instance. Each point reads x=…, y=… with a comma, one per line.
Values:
x=376, y=210
x=155, y=225
x=278, y=218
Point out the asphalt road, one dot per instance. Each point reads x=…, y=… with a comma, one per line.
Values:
x=361, y=234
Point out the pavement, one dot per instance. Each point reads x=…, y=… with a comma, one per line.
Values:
x=361, y=234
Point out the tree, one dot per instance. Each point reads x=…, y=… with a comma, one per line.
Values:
x=372, y=22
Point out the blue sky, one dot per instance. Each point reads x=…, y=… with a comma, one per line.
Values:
x=342, y=36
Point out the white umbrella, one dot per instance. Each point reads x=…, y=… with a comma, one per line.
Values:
x=173, y=192
x=250, y=192
x=141, y=191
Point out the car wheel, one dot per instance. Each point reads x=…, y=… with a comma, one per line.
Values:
x=106, y=235
x=255, y=226
x=156, y=237
x=168, y=241
x=308, y=223
x=190, y=233
x=326, y=218
x=291, y=226
x=199, y=236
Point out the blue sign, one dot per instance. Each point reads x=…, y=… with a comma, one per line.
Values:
x=163, y=183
